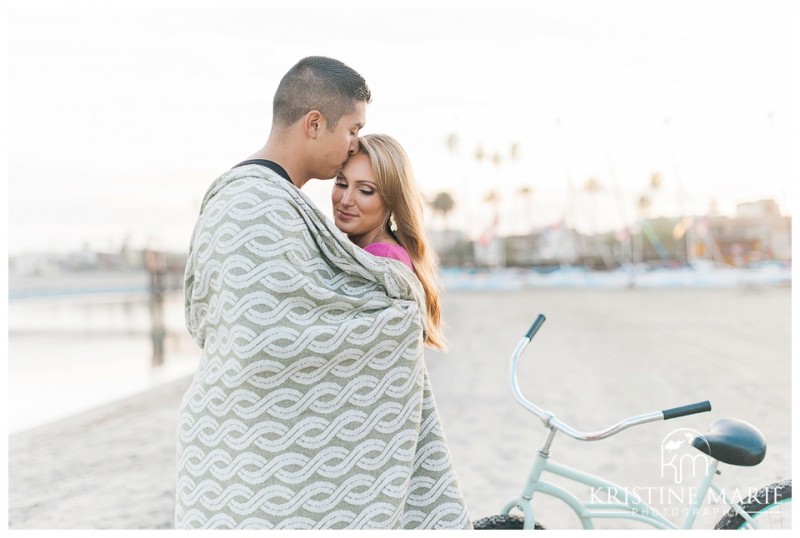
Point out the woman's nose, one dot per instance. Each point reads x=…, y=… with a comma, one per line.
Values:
x=347, y=197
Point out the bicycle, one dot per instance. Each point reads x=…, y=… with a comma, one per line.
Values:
x=729, y=441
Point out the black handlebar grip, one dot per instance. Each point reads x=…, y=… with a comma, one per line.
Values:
x=691, y=409
x=535, y=327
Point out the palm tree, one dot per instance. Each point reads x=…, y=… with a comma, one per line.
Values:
x=452, y=143
x=655, y=181
x=592, y=186
x=526, y=195
x=493, y=199
x=442, y=204
x=644, y=204
x=654, y=185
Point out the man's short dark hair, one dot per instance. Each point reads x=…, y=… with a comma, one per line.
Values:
x=318, y=83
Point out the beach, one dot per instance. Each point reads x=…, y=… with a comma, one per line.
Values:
x=601, y=356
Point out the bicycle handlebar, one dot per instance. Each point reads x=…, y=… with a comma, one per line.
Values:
x=552, y=422
x=537, y=324
x=691, y=409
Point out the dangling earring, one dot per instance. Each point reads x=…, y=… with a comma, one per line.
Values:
x=392, y=224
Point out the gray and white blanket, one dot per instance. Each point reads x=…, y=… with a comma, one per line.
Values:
x=311, y=407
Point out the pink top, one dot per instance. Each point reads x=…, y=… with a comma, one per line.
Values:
x=395, y=252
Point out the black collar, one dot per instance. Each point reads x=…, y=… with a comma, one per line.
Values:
x=275, y=167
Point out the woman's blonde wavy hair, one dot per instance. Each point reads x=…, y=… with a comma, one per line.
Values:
x=397, y=187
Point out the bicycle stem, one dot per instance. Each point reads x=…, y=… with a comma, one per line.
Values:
x=550, y=421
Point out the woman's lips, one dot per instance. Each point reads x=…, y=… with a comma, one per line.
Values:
x=345, y=216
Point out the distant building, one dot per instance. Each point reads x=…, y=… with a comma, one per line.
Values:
x=757, y=232
x=453, y=248
x=552, y=245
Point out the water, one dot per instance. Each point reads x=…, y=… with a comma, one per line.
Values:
x=71, y=353
x=70, y=350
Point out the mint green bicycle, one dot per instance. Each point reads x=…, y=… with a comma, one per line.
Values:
x=733, y=442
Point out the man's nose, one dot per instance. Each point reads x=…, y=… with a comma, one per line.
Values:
x=353, y=147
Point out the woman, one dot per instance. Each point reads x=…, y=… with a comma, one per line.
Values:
x=377, y=204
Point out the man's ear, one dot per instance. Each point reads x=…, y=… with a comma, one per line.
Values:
x=313, y=123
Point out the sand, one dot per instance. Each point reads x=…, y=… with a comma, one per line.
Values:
x=602, y=355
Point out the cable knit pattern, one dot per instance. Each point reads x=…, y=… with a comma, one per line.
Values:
x=311, y=407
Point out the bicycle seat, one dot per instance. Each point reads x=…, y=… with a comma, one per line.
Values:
x=733, y=441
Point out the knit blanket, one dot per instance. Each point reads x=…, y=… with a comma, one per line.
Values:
x=311, y=407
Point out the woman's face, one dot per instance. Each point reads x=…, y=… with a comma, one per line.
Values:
x=358, y=208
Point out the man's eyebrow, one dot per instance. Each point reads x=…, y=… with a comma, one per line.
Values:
x=360, y=125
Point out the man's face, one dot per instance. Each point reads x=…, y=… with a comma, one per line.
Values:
x=336, y=146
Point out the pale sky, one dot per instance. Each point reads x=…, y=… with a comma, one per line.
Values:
x=119, y=119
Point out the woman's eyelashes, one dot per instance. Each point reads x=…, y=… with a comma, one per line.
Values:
x=342, y=184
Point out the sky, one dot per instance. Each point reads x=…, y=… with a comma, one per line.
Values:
x=120, y=118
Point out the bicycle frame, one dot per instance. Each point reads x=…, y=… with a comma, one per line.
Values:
x=628, y=505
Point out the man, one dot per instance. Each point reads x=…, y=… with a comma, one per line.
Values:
x=311, y=406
